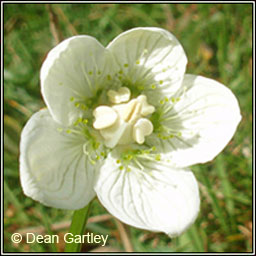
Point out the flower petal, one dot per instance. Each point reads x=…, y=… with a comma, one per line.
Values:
x=157, y=198
x=151, y=58
x=71, y=74
x=53, y=168
x=201, y=122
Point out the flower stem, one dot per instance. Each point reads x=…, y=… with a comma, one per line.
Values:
x=77, y=227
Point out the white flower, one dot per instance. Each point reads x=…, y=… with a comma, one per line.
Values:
x=123, y=123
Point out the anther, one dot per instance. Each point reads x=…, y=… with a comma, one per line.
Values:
x=121, y=95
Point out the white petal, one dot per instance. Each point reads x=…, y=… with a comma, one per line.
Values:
x=150, y=57
x=206, y=116
x=71, y=73
x=53, y=168
x=157, y=198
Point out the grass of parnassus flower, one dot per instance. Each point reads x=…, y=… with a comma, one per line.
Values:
x=217, y=39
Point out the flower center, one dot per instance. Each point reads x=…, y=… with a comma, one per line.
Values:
x=125, y=121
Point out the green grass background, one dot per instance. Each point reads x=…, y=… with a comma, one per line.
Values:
x=217, y=39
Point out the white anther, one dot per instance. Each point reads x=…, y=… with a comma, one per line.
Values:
x=104, y=117
x=113, y=134
x=122, y=95
x=129, y=112
x=146, y=109
x=123, y=124
x=142, y=128
x=125, y=110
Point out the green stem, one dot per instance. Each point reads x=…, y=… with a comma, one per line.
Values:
x=77, y=227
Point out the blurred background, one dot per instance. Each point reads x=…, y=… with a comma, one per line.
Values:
x=217, y=39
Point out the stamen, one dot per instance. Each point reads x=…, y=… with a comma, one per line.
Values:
x=104, y=117
x=122, y=95
x=87, y=78
x=123, y=123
